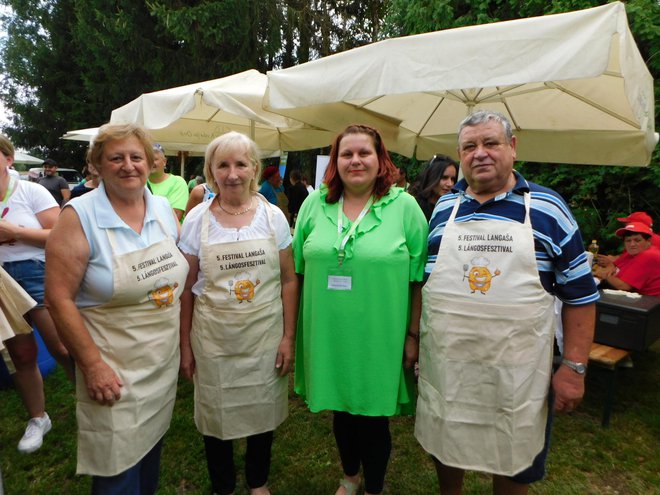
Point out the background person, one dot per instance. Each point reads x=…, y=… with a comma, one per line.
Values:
x=192, y=182
x=16, y=335
x=57, y=186
x=359, y=245
x=645, y=218
x=238, y=318
x=401, y=178
x=305, y=181
x=638, y=268
x=499, y=250
x=437, y=179
x=297, y=193
x=170, y=186
x=199, y=194
x=91, y=181
x=27, y=214
x=113, y=284
x=272, y=189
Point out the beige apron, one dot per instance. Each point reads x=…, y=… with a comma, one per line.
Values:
x=137, y=333
x=486, y=348
x=14, y=303
x=236, y=330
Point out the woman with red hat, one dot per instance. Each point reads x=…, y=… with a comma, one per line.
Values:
x=642, y=217
x=638, y=268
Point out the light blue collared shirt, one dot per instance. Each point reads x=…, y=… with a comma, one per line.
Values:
x=96, y=216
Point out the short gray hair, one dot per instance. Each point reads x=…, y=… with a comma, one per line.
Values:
x=482, y=117
x=231, y=142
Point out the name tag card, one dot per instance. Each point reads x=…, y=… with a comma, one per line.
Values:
x=340, y=282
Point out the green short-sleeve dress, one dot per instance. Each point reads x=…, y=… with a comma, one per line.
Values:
x=350, y=344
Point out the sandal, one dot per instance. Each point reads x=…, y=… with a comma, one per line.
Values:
x=350, y=488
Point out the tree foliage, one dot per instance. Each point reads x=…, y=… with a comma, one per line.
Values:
x=40, y=83
x=68, y=63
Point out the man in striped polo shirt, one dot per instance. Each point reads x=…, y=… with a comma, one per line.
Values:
x=500, y=250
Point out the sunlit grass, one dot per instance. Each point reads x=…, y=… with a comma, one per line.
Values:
x=584, y=459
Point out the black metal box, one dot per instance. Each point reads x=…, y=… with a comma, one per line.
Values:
x=632, y=324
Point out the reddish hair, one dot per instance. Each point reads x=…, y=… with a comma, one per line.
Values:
x=386, y=168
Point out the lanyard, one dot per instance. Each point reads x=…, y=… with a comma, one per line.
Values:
x=10, y=190
x=340, y=226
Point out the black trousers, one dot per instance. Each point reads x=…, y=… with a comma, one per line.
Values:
x=220, y=462
x=366, y=441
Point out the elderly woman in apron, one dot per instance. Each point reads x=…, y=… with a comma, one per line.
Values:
x=238, y=315
x=114, y=278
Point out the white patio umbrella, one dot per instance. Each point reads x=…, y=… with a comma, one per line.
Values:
x=87, y=135
x=182, y=150
x=574, y=86
x=20, y=157
x=188, y=117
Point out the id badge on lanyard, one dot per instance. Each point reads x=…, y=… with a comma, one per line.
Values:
x=340, y=277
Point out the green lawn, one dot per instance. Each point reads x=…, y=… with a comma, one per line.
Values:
x=584, y=459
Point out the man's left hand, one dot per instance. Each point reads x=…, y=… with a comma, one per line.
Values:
x=569, y=389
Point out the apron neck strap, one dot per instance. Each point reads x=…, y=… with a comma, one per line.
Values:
x=528, y=206
x=527, y=199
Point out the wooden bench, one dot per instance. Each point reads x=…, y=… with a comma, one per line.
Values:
x=610, y=359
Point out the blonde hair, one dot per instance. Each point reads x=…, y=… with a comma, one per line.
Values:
x=117, y=132
x=6, y=147
x=232, y=142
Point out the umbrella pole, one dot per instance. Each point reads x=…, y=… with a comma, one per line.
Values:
x=252, y=130
x=182, y=156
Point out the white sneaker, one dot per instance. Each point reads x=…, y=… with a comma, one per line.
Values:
x=34, y=434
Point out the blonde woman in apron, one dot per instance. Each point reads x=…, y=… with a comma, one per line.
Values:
x=238, y=315
x=488, y=322
x=114, y=278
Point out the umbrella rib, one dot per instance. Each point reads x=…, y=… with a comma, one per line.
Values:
x=501, y=91
x=593, y=104
x=471, y=102
x=367, y=102
x=213, y=115
x=421, y=129
x=200, y=93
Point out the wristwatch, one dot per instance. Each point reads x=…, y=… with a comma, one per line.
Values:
x=579, y=368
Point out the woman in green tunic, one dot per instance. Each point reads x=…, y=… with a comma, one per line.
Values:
x=360, y=247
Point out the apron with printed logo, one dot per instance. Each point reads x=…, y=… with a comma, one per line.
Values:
x=137, y=333
x=236, y=330
x=486, y=348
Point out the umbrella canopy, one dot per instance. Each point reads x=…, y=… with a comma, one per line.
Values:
x=171, y=149
x=27, y=159
x=574, y=87
x=188, y=117
x=87, y=135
